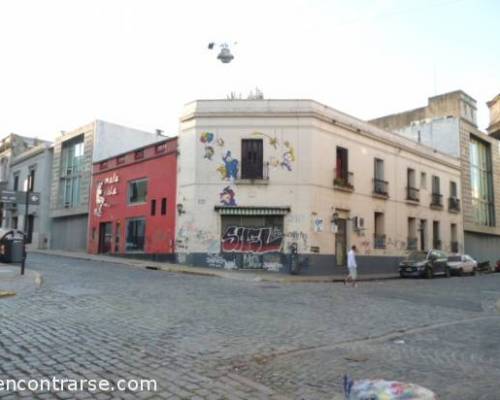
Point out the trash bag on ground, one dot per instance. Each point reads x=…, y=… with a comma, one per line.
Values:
x=379, y=389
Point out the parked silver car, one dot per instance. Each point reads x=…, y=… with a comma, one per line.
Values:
x=460, y=264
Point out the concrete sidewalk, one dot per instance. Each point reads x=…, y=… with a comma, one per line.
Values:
x=12, y=282
x=238, y=275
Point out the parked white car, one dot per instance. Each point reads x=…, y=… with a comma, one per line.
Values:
x=460, y=264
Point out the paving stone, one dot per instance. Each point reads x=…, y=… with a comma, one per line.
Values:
x=217, y=338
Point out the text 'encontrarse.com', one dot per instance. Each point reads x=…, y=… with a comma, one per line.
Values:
x=55, y=384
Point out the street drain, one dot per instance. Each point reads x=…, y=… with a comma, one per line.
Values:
x=152, y=268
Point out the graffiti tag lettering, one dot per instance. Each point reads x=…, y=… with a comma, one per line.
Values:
x=239, y=239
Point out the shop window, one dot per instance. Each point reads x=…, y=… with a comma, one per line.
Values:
x=163, y=206
x=137, y=191
x=136, y=233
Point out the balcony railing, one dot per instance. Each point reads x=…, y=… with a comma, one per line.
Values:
x=454, y=204
x=343, y=180
x=454, y=247
x=379, y=241
x=436, y=244
x=412, y=194
x=412, y=243
x=255, y=174
x=380, y=187
x=437, y=200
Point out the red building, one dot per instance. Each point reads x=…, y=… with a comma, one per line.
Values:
x=133, y=202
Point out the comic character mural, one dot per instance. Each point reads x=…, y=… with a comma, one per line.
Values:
x=230, y=168
x=209, y=152
x=288, y=157
x=227, y=197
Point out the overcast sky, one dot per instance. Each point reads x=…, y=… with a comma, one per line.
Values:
x=136, y=62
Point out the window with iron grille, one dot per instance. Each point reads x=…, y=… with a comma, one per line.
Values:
x=252, y=159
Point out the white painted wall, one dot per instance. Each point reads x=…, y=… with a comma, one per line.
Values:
x=306, y=127
x=442, y=134
x=112, y=139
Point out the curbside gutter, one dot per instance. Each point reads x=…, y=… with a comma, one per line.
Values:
x=250, y=276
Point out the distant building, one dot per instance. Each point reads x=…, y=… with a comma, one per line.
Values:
x=35, y=163
x=10, y=147
x=74, y=154
x=448, y=124
x=258, y=178
x=494, y=127
x=133, y=203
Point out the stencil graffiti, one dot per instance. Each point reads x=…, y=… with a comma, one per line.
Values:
x=239, y=239
x=227, y=197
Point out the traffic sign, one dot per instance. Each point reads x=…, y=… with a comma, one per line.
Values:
x=10, y=196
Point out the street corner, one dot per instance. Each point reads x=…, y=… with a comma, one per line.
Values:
x=12, y=282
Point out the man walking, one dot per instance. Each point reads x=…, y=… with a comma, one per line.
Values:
x=352, y=267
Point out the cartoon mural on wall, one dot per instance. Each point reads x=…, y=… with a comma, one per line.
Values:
x=227, y=197
x=229, y=171
x=206, y=138
x=288, y=156
x=273, y=141
x=209, y=152
x=239, y=239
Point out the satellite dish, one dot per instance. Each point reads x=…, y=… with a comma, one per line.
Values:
x=225, y=55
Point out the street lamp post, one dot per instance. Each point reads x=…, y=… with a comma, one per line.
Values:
x=27, y=187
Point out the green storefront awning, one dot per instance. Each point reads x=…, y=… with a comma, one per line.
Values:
x=227, y=210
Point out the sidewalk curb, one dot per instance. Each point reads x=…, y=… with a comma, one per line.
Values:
x=210, y=272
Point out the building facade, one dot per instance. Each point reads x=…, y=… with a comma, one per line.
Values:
x=74, y=154
x=448, y=124
x=259, y=178
x=133, y=203
x=32, y=171
x=494, y=126
x=10, y=147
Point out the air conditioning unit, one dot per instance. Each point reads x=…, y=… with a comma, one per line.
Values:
x=359, y=223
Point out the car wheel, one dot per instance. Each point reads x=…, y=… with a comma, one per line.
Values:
x=428, y=273
x=401, y=275
x=474, y=271
x=447, y=272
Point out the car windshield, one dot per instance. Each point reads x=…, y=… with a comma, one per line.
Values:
x=417, y=256
x=454, y=258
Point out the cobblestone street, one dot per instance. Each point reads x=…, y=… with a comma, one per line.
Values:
x=212, y=338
